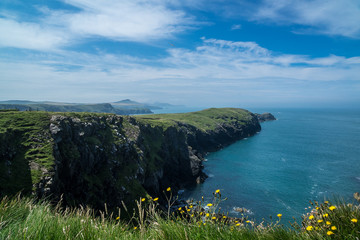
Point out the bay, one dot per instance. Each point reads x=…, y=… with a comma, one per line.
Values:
x=305, y=155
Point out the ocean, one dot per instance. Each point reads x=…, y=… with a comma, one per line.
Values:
x=305, y=155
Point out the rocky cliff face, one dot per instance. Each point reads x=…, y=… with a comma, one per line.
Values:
x=109, y=158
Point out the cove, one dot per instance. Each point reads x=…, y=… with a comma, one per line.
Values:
x=307, y=154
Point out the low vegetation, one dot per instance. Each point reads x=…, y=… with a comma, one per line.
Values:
x=204, y=120
x=26, y=135
x=24, y=218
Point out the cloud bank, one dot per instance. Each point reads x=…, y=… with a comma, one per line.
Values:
x=216, y=72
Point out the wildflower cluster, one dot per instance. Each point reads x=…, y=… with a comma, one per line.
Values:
x=324, y=220
x=331, y=220
x=202, y=213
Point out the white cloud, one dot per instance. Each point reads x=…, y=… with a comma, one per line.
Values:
x=331, y=17
x=133, y=20
x=127, y=20
x=236, y=27
x=29, y=36
x=216, y=71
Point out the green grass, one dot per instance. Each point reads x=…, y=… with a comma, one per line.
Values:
x=27, y=135
x=23, y=218
x=205, y=120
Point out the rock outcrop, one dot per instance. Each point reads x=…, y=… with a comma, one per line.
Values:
x=104, y=158
x=265, y=117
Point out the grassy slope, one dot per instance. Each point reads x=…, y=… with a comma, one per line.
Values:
x=28, y=135
x=26, y=219
x=204, y=120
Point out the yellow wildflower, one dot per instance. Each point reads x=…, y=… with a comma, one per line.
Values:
x=213, y=218
x=117, y=218
x=326, y=202
x=325, y=215
x=317, y=208
x=332, y=208
x=320, y=221
x=247, y=221
x=309, y=228
x=311, y=217
x=209, y=204
x=135, y=228
x=155, y=199
x=207, y=214
x=191, y=206
x=179, y=208
x=168, y=189
x=354, y=220
x=238, y=224
x=217, y=191
x=333, y=228
x=279, y=215
x=329, y=233
x=224, y=217
x=189, y=210
x=328, y=223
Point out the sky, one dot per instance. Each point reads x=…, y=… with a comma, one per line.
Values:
x=214, y=53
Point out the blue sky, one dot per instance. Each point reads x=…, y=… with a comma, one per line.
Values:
x=243, y=53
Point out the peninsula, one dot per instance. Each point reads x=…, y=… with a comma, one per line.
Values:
x=96, y=158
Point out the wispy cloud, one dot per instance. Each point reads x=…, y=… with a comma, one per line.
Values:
x=236, y=27
x=133, y=20
x=317, y=16
x=128, y=20
x=217, y=71
x=29, y=35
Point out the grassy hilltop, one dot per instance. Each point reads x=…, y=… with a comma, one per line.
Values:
x=205, y=120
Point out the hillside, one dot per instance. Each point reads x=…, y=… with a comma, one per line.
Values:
x=94, y=159
x=124, y=107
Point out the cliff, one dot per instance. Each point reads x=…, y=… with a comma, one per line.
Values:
x=92, y=159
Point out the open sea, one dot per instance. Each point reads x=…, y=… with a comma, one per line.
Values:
x=306, y=154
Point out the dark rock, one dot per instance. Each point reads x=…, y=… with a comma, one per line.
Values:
x=265, y=117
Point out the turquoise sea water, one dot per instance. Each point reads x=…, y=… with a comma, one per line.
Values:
x=304, y=155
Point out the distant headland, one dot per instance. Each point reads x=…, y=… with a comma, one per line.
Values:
x=123, y=107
